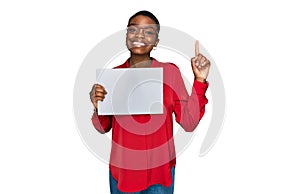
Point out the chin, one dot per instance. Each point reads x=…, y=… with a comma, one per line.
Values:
x=141, y=50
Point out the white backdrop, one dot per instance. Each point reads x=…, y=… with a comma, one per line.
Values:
x=255, y=45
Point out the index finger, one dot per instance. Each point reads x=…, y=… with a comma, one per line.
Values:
x=196, y=48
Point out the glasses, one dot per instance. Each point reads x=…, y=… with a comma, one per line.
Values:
x=147, y=31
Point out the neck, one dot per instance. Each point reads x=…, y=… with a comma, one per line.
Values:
x=140, y=60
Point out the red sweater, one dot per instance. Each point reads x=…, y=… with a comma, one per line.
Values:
x=143, y=150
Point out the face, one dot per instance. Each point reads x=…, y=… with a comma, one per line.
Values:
x=141, y=35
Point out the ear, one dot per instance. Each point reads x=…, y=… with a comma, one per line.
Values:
x=156, y=42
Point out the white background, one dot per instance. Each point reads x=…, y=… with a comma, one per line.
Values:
x=255, y=45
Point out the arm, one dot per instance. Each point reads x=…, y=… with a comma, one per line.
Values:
x=190, y=109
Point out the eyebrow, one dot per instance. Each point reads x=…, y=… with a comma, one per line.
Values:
x=133, y=24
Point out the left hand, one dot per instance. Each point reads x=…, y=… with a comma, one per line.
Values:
x=200, y=65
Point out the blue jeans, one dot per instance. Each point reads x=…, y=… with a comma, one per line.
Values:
x=153, y=189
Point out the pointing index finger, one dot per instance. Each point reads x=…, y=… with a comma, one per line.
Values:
x=196, y=48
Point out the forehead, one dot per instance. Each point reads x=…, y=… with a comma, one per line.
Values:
x=142, y=20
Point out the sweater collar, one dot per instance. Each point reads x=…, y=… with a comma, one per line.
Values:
x=153, y=63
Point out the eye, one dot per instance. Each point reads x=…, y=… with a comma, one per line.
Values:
x=149, y=32
x=132, y=30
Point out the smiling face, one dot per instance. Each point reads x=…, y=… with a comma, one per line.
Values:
x=142, y=35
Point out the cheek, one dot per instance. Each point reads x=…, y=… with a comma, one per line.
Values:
x=127, y=41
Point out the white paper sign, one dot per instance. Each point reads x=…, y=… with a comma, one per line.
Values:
x=131, y=91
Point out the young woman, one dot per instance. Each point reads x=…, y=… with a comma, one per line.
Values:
x=143, y=154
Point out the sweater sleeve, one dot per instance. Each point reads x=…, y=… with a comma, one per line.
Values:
x=102, y=123
x=189, y=109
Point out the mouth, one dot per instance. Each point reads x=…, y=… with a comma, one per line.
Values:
x=138, y=44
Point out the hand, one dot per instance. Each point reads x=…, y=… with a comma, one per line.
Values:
x=200, y=65
x=97, y=93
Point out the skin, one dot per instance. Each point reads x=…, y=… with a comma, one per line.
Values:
x=140, y=56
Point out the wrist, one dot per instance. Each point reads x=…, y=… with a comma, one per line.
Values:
x=199, y=79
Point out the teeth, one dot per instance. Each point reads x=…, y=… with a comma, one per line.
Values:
x=139, y=43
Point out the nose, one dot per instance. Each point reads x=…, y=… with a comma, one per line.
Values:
x=140, y=33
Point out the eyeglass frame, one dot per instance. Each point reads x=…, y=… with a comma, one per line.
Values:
x=139, y=30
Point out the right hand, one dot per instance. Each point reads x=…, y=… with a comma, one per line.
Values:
x=97, y=93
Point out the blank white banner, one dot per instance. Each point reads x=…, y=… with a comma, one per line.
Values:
x=131, y=91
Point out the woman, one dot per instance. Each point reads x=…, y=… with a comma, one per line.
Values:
x=143, y=155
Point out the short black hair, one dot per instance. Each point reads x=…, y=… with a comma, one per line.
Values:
x=148, y=14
